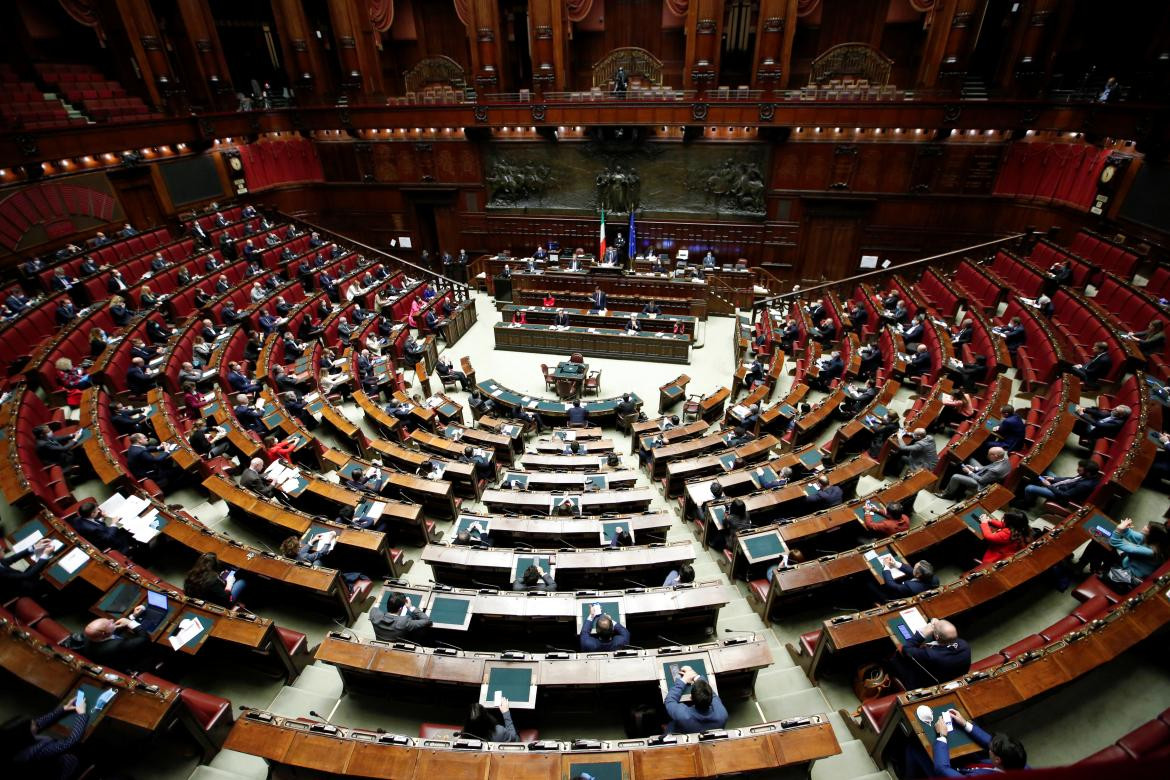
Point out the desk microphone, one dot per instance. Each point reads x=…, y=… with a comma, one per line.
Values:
x=566, y=544
x=444, y=644
x=640, y=585
x=320, y=717
x=522, y=546
x=740, y=631
x=670, y=641
x=487, y=585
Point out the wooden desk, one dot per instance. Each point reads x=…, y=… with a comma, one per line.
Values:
x=297, y=746
x=679, y=472
x=597, y=502
x=454, y=565
x=672, y=392
x=596, y=342
x=571, y=481
x=600, y=411
x=588, y=318
x=535, y=531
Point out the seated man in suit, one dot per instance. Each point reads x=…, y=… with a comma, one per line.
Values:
x=920, y=362
x=140, y=380
x=611, y=635
x=825, y=496
x=447, y=371
x=561, y=319
x=1097, y=367
x=578, y=415
x=933, y=655
x=969, y=375
x=1094, y=423
x=1065, y=490
x=14, y=581
x=252, y=478
x=973, y=475
x=832, y=367
x=705, y=712
x=912, y=581
x=652, y=307
x=414, y=352
x=248, y=415
x=913, y=333
x=399, y=621
x=534, y=578
x=55, y=450
x=151, y=461
x=91, y=524
x=825, y=331
x=788, y=336
x=1014, y=335
x=239, y=381
x=1004, y=753
x=964, y=334
x=115, y=643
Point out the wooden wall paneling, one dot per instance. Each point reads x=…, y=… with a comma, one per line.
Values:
x=353, y=34
x=852, y=21
x=304, y=60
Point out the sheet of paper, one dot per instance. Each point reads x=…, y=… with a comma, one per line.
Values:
x=73, y=560
x=188, y=630
x=375, y=510
x=913, y=619
x=27, y=541
x=112, y=506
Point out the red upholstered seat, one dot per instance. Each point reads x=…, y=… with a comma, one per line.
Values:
x=27, y=612
x=52, y=630
x=1109, y=754
x=759, y=588
x=808, y=642
x=360, y=591
x=990, y=662
x=1146, y=738
x=294, y=641
x=1094, y=607
x=1061, y=627
x=1091, y=588
x=875, y=711
x=209, y=710
x=1033, y=642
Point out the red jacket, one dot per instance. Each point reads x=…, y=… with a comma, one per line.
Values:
x=1000, y=543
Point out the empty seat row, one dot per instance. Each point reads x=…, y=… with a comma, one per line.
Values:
x=1106, y=254
x=1020, y=275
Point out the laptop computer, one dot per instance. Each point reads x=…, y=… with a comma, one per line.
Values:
x=155, y=613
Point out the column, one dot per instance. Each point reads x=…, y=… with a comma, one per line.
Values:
x=704, y=34
x=774, y=34
x=209, y=63
x=938, y=20
x=1026, y=59
x=549, y=34
x=483, y=30
x=146, y=47
x=303, y=60
x=361, y=67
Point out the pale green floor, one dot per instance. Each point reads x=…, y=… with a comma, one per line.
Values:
x=1088, y=715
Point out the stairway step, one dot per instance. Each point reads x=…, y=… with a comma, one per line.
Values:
x=321, y=679
x=738, y=608
x=240, y=764
x=296, y=703
x=793, y=705
x=748, y=622
x=853, y=761
x=775, y=681
x=211, y=773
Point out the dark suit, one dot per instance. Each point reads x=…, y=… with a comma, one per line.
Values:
x=1014, y=338
x=146, y=462
x=826, y=497
x=250, y=479
x=921, y=664
x=124, y=650
x=892, y=588
x=1012, y=433
x=250, y=418
x=598, y=300
x=593, y=644
x=919, y=364
x=577, y=415
x=138, y=380
x=1096, y=368
x=241, y=384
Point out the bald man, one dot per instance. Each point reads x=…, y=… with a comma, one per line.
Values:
x=935, y=654
x=120, y=643
x=252, y=478
x=973, y=475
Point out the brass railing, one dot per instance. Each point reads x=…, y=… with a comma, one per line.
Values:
x=940, y=262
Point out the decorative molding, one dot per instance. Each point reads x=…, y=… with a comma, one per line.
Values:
x=850, y=149
x=1029, y=115
x=28, y=145
x=705, y=27
x=202, y=45
x=539, y=110
x=346, y=42
x=702, y=76
x=344, y=118
x=485, y=35
x=206, y=128
x=481, y=113
x=151, y=43
x=423, y=146
x=544, y=32
x=774, y=24
x=961, y=20
x=767, y=112
x=299, y=45
x=951, y=112
x=699, y=110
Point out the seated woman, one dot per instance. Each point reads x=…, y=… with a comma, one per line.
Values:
x=1134, y=556
x=210, y=581
x=632, y=325
x=1152, y=340
x=519, y=318
x=97, y=341
x=484, y=725
x=146, y=298
x=72, y=380
x=118, y=311
x=549, y=301
x=1004, y=537
x=278, y=450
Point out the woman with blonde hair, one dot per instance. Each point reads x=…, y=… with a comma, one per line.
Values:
x=71, y=380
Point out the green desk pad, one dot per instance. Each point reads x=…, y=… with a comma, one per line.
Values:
x=210, y=409
x=57, y=573
x=514, y=476
x=896, y=624
x=956, y=737
x=120, y=599
x=609, y=529
x=727, y=461
x=62, y=728
x=717, y=513
x=875, y=564
x=763, y=546
x=598, y=481
x=205, y=621
x=611, y=607
x=598, y=770
x=990, y=423
x=555, y=503
x=1099, y=528
x=521, y=563
x=672, y=390
x=450, y=611
x=465, y=523
x=971, y=519
x=768, y=478
x=812, y=458
x=695, y=662
x=273, y=420
x=28, y=529
x=513, y=683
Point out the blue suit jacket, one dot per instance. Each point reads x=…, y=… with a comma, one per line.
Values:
x=1012, y=432
x=942, y=662
x=942, y=756
x=592, y=644
x=685, y=719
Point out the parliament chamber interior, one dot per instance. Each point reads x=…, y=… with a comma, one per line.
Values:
x=584, y=389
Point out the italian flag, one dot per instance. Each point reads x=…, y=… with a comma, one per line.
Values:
x=601, y=254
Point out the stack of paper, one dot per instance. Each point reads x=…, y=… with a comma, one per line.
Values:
x=73, y=560
x=189, y=628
